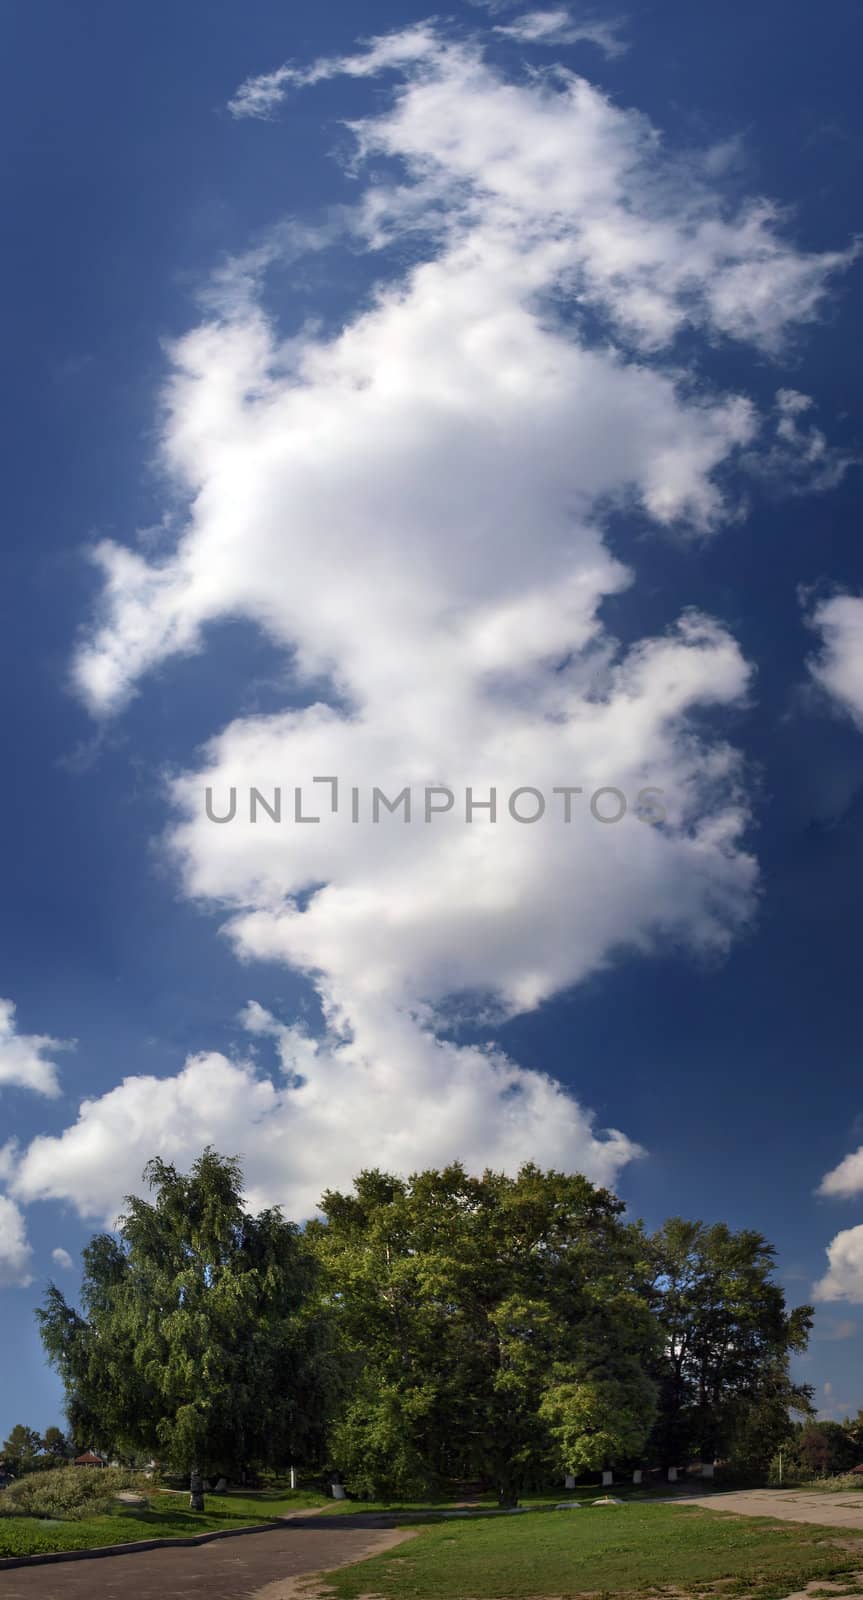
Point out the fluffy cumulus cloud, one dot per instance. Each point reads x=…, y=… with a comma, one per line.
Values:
x=15, y=1252
x=332, y=1110
x=844, y=1277
x=414, y=506
x=838, y=668
x=26, y=1058
x=846, y=1179
x=62, y=1259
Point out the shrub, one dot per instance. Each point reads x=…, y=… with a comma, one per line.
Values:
x=69, y=1493
x=797, y=1479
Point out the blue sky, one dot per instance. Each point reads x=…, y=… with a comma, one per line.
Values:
x=538, y=337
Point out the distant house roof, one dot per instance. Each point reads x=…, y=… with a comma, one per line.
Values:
x=857, y=1469
x=89, y=1459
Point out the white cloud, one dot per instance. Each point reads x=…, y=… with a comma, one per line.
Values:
x=62, y=1259
x=15, y=1252
x=557, y=26
x=846, y=1179
x=25, y=1058
x=259, y=96
x=799, y=459
x=334, y=1110
x=839, y=668
x=844, y=1279
x=839, y=671
x=414, y=507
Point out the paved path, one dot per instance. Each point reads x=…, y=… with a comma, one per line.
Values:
x=832, y=1510
x=227, y=1569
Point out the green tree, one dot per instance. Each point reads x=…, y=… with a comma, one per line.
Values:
x=56, y=1446
x=195, y=1341
x=487, y=1326
x=22, y=1449
x=824, y=1449
x=725, y=1388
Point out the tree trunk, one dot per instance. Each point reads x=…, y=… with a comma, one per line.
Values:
x=196, y=1490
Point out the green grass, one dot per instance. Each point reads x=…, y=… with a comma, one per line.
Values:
x=166, y=1516
x=406, y=1508
x=620, y=1550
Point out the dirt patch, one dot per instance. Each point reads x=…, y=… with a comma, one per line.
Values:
x=850, y=1587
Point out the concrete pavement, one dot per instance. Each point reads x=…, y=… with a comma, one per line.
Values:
x=832, y=1509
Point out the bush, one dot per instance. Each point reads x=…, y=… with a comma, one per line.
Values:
x=795, y=1478
x=69, y=1493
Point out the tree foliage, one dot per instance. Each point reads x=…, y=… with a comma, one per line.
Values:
x=727, y=1338
x=195, y=1340
x=421, y=1331
x=56, y=1446
x=22, y=1450
x=487, y=1326
x=823, y=1449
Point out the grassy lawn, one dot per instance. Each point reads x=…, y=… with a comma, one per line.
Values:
x=167, y=1516
x=619, y=1550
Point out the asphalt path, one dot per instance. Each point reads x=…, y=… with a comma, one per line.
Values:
x=225, y=1569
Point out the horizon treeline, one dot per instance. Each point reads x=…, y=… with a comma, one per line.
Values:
x=423, y=1331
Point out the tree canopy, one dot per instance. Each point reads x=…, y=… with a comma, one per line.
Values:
x=424, y=1330
x=196, y=1341
x=22, y=1449
x=490, y=1326
x=727, y=1337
